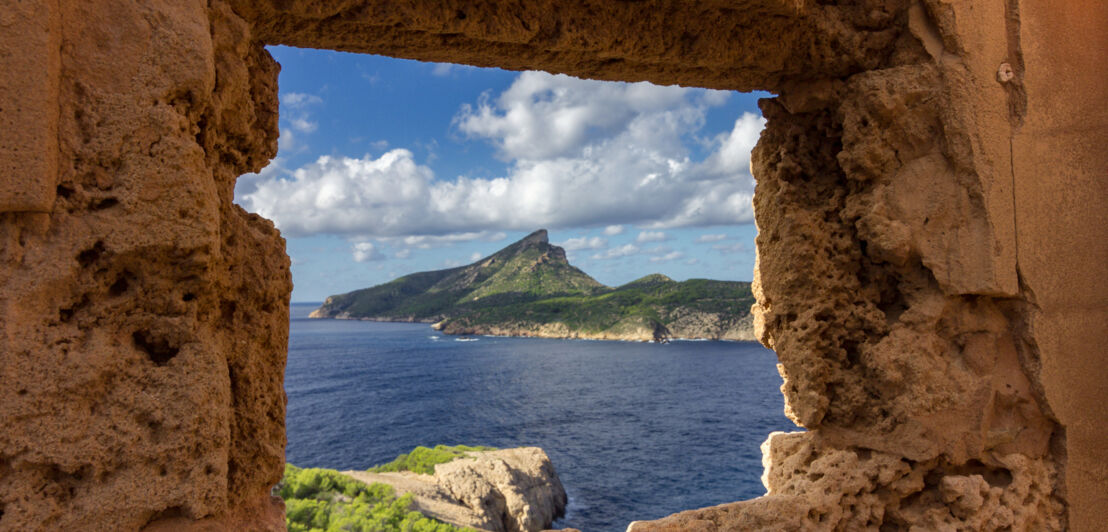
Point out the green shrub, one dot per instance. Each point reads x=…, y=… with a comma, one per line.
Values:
x=324, y=500
x=423, y=460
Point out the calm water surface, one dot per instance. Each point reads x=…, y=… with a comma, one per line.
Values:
x=635, y=431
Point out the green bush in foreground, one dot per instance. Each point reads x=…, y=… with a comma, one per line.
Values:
x=324, y=500
x=423, y=460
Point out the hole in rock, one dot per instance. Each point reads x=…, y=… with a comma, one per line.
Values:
x=227, y=310
x=168, y=513
x=997, y=477
x=92, y=254
x=188, y=296
x=103, y=203
x=120, y=285
x=399, y=170
x=65, y=191
x=159, y=349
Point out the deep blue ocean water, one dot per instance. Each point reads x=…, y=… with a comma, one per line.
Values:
x=636, y=431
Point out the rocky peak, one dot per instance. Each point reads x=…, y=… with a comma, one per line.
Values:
x=538, y=237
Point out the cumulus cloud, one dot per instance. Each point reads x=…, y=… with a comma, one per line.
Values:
x=651, y=236
x=736, y=247
x=581, y=153
x=303, y=125
x=615, y=253
x=673, y=255
x=297, y=116
x=434, y=241
x=365, y=252
x=711, y=238
x=613, y=230
x=584, y=242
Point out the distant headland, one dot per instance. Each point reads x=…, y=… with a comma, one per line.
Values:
x=530, y=289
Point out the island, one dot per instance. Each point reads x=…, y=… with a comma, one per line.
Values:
x=530, y=289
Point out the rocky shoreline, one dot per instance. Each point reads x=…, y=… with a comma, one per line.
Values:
x=742, y=330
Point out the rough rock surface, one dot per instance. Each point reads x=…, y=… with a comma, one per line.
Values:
x=933, y=235
x=508, y=490
x=144, y=316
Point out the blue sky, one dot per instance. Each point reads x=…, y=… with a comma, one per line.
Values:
x=388, y=167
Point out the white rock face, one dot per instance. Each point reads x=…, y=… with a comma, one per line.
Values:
x=510, y=490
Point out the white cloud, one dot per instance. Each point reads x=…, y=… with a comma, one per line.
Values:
x=287, y=142
x=296, y=114
x=435, y=241
x=651, y=236
x=614, y=253
x=475, y=256
x=582, y=154
x=404, y=253
x=300, y=99
x=692, y=261
x=734, y=147
x=441, y=69
x=711, y=238
x=584, y=242
x=365, y=252
x=736, y=247
x=673, y=255
x=303, y=124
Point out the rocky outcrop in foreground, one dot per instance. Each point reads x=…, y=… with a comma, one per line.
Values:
x=509, y=490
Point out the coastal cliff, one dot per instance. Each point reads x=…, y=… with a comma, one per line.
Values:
x=530, y=289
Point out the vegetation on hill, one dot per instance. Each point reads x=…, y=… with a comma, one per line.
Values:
x=652, y=299
x=530, y=288
x=423, y=460
x=325, y=500
x=527, y=270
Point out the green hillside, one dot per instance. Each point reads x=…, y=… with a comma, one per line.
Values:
x=527, y=270
x=529, y=288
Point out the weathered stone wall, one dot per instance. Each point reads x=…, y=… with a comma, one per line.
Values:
x=144, y=317
x=932, y=247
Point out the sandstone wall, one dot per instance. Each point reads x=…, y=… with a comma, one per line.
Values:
x=144, y=317
x=932, y=247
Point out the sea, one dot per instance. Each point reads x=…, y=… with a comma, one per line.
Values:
x=636, y=431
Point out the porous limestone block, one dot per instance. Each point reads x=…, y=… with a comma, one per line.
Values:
x=28, y=105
